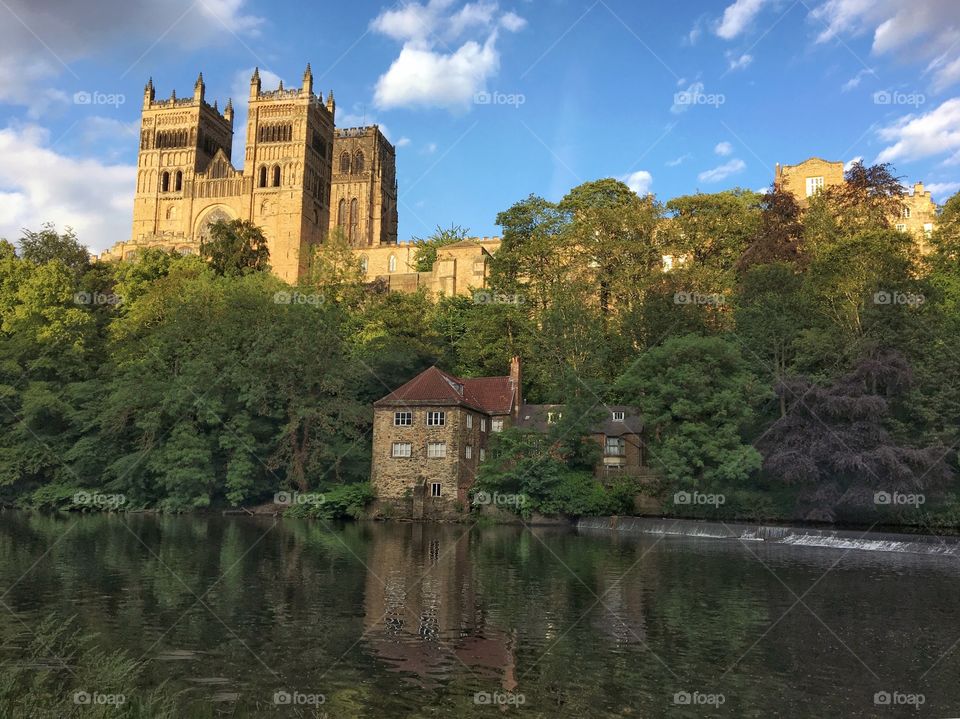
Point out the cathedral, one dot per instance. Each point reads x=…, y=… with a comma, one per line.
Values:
x=301, y=178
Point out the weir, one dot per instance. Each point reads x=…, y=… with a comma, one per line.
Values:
x=777, y=534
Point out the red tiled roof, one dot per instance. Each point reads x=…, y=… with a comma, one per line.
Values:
x=493, y=395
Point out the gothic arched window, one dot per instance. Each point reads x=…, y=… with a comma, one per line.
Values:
x=345, y=163
x=165, y=182
x=354, y=218
x=263, y=177
x=358, y=162
x=276, y=175
x=342, y=213
x=178, y=183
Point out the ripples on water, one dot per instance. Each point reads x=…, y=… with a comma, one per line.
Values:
x=410, y=620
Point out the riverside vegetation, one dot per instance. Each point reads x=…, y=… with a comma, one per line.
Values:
x=799, y=363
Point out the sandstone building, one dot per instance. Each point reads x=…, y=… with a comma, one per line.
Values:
x=431, y=434
x=289, y=182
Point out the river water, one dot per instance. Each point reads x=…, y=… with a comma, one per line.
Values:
x=259, y=617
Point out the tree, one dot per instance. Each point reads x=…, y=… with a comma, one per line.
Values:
x=695, y=395
x=48, y=245
x=779, y=235
x=426, y=254
x=834, y=446
x=237, y=247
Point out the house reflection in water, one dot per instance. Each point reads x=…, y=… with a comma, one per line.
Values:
x=422, y=617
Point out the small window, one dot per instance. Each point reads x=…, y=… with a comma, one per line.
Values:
x=901, y=227
x=468, y=451
x=617, y=416
x=402, y=419
x=496, y=425
x=469, y=421
x=436, y=450
x=358, y=162
x=392, y=264
x=165, y=182
x=928, y=229
x=345, y=163
x=436, y=419
x=483, y=454
x=814, y=185
x=615, y=447
x=906, y=213
x=435, y=489
x=554, y=417
x=262, y=182
x=276, y=175
x=178, y=182
x=402, y=449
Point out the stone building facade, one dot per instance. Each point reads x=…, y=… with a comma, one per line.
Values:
x=186, y=179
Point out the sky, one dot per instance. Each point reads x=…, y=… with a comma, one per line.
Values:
x=488, y=102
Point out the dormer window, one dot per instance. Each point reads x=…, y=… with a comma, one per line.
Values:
x=617, y=416
x=554, y=417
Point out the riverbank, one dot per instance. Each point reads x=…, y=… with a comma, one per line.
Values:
x=862, y=540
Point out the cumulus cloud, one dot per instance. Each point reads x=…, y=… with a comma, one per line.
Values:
x=722, y=172
x=723, y=149
x=737, y=18
x=942, y=190
x=42, y=185
x=851, y=162
x=638, y=181
x=738, y=63
x=927, y=30
x=913, y=137
x=429, y=73
x=403, y=142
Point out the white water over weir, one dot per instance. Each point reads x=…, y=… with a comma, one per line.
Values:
x=795, y=536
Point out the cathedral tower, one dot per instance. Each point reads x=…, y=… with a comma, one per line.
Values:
x=364, y=199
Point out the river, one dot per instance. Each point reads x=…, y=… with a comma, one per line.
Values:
x=260, y=617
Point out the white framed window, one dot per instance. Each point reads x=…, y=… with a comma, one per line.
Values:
x=435, y=489
x=615, y=447
x=402, y=419
x=928, y=228
x=402, y=449
x=469, y=421
x=901, y=227
x=483, y=424
x=554, y=417
x=392, y=264
x=814, y=185
x=468, y=451
x=483, y=454
x=436, y=419
x=617, y=416
x=436, y=450
x=906, y=213
x=496, y=425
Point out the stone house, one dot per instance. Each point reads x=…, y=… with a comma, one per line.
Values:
x=431, y=434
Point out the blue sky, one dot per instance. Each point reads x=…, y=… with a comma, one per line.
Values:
x=489, y=101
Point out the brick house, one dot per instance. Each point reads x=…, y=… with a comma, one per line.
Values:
x=431, y=434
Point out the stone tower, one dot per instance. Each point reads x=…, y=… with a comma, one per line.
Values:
x=179, y=139
x=364, y=196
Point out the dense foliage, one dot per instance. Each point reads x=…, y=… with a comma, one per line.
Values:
x=808, y=354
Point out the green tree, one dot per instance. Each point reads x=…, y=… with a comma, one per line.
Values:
x=426, y=254
x=48, y=245
x=237, y=247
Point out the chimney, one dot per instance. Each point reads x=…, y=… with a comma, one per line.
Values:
x=516, y=379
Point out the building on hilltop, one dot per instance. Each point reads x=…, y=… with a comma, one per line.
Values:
x=186, y=180
x=431, y=434
x=917, y=216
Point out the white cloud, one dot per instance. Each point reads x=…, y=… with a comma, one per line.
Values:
x=942, y=190
x=722, y=172
x=679, y=160
x=723, y=149
x=638, y=181
x=851, y=162
x=41, y=185
x=926, y=30
x=403, y=142
x=738, y=17
x=738, y=63
x=854, y=81
x=429, y=148
x=683, y=100
x=913, y=137
x=425, y=75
